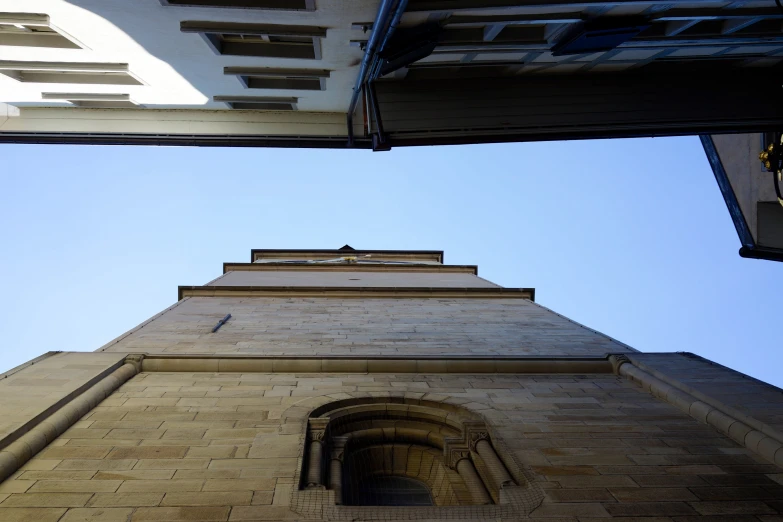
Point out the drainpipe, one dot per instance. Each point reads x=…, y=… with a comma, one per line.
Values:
x=379, y=31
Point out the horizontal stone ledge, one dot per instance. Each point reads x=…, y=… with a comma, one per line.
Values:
x=156, y=363
x=323, y=267
x=354, y=292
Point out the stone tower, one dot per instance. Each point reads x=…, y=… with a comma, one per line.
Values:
x=380, y=385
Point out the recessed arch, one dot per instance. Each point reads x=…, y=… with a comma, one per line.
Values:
x=446, y=446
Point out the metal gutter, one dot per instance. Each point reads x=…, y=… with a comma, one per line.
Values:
x=379, y=30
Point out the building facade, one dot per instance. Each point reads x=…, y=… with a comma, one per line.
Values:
x=381, y=385
x=384, y=73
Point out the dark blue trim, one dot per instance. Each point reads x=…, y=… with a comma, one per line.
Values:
x=770, y=254
x=743, y=231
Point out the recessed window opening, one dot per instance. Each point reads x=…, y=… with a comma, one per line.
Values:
x=67, y=72
x=266, y=40
x=269, y=78
x=371, y=453
x=257, y=103
x=31, y=30
x=93, y=100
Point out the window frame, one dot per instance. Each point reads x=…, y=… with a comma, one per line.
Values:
x=18, y=69
x=52, y=38
x=214, y=33
x=93, y=100
x=274, y=103
x=253, y=77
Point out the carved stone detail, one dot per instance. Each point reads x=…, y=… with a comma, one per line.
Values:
x=455, y=450
x=475, y=432
x=317, y=430
x=618, y=360
x=135, y=360
x=475, y=437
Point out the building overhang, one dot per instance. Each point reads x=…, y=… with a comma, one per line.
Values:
x=748, y=191
x=372, y=74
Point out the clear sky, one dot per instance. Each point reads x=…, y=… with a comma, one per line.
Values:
x=630, y=237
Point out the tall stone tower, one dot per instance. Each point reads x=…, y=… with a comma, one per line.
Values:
x=380, y=385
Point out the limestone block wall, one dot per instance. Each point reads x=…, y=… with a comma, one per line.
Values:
x=227, y=447
x=349, y=326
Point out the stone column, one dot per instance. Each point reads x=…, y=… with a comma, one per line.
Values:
x=472, y=481
x=336, y=469
x=494, y=465
x=316, y=436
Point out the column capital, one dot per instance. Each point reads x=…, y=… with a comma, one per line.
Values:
x=135, y=359
x=475, y=432
x=317, y=429
x=455, y=450
x=338, y=447
x=618, y=360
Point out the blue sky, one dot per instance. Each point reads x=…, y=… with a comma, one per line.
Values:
x=630, y=237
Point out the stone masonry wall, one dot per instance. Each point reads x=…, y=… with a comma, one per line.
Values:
x=324, y=326
x=226, y=447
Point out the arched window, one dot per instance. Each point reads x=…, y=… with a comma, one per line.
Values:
x=395, y=452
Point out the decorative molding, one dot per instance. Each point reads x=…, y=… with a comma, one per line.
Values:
x=47, y=429
x=768, y=446
x=356, y=292
x=375, y=364
x=476, y=435
x=380, y=267
x=136, y=360
x=456, y=455
x=317, y=429
x=618, y=360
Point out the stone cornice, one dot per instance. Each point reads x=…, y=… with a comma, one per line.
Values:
x=379, y=364
x=355, y=292
x=358, y=267
x=410, y=255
